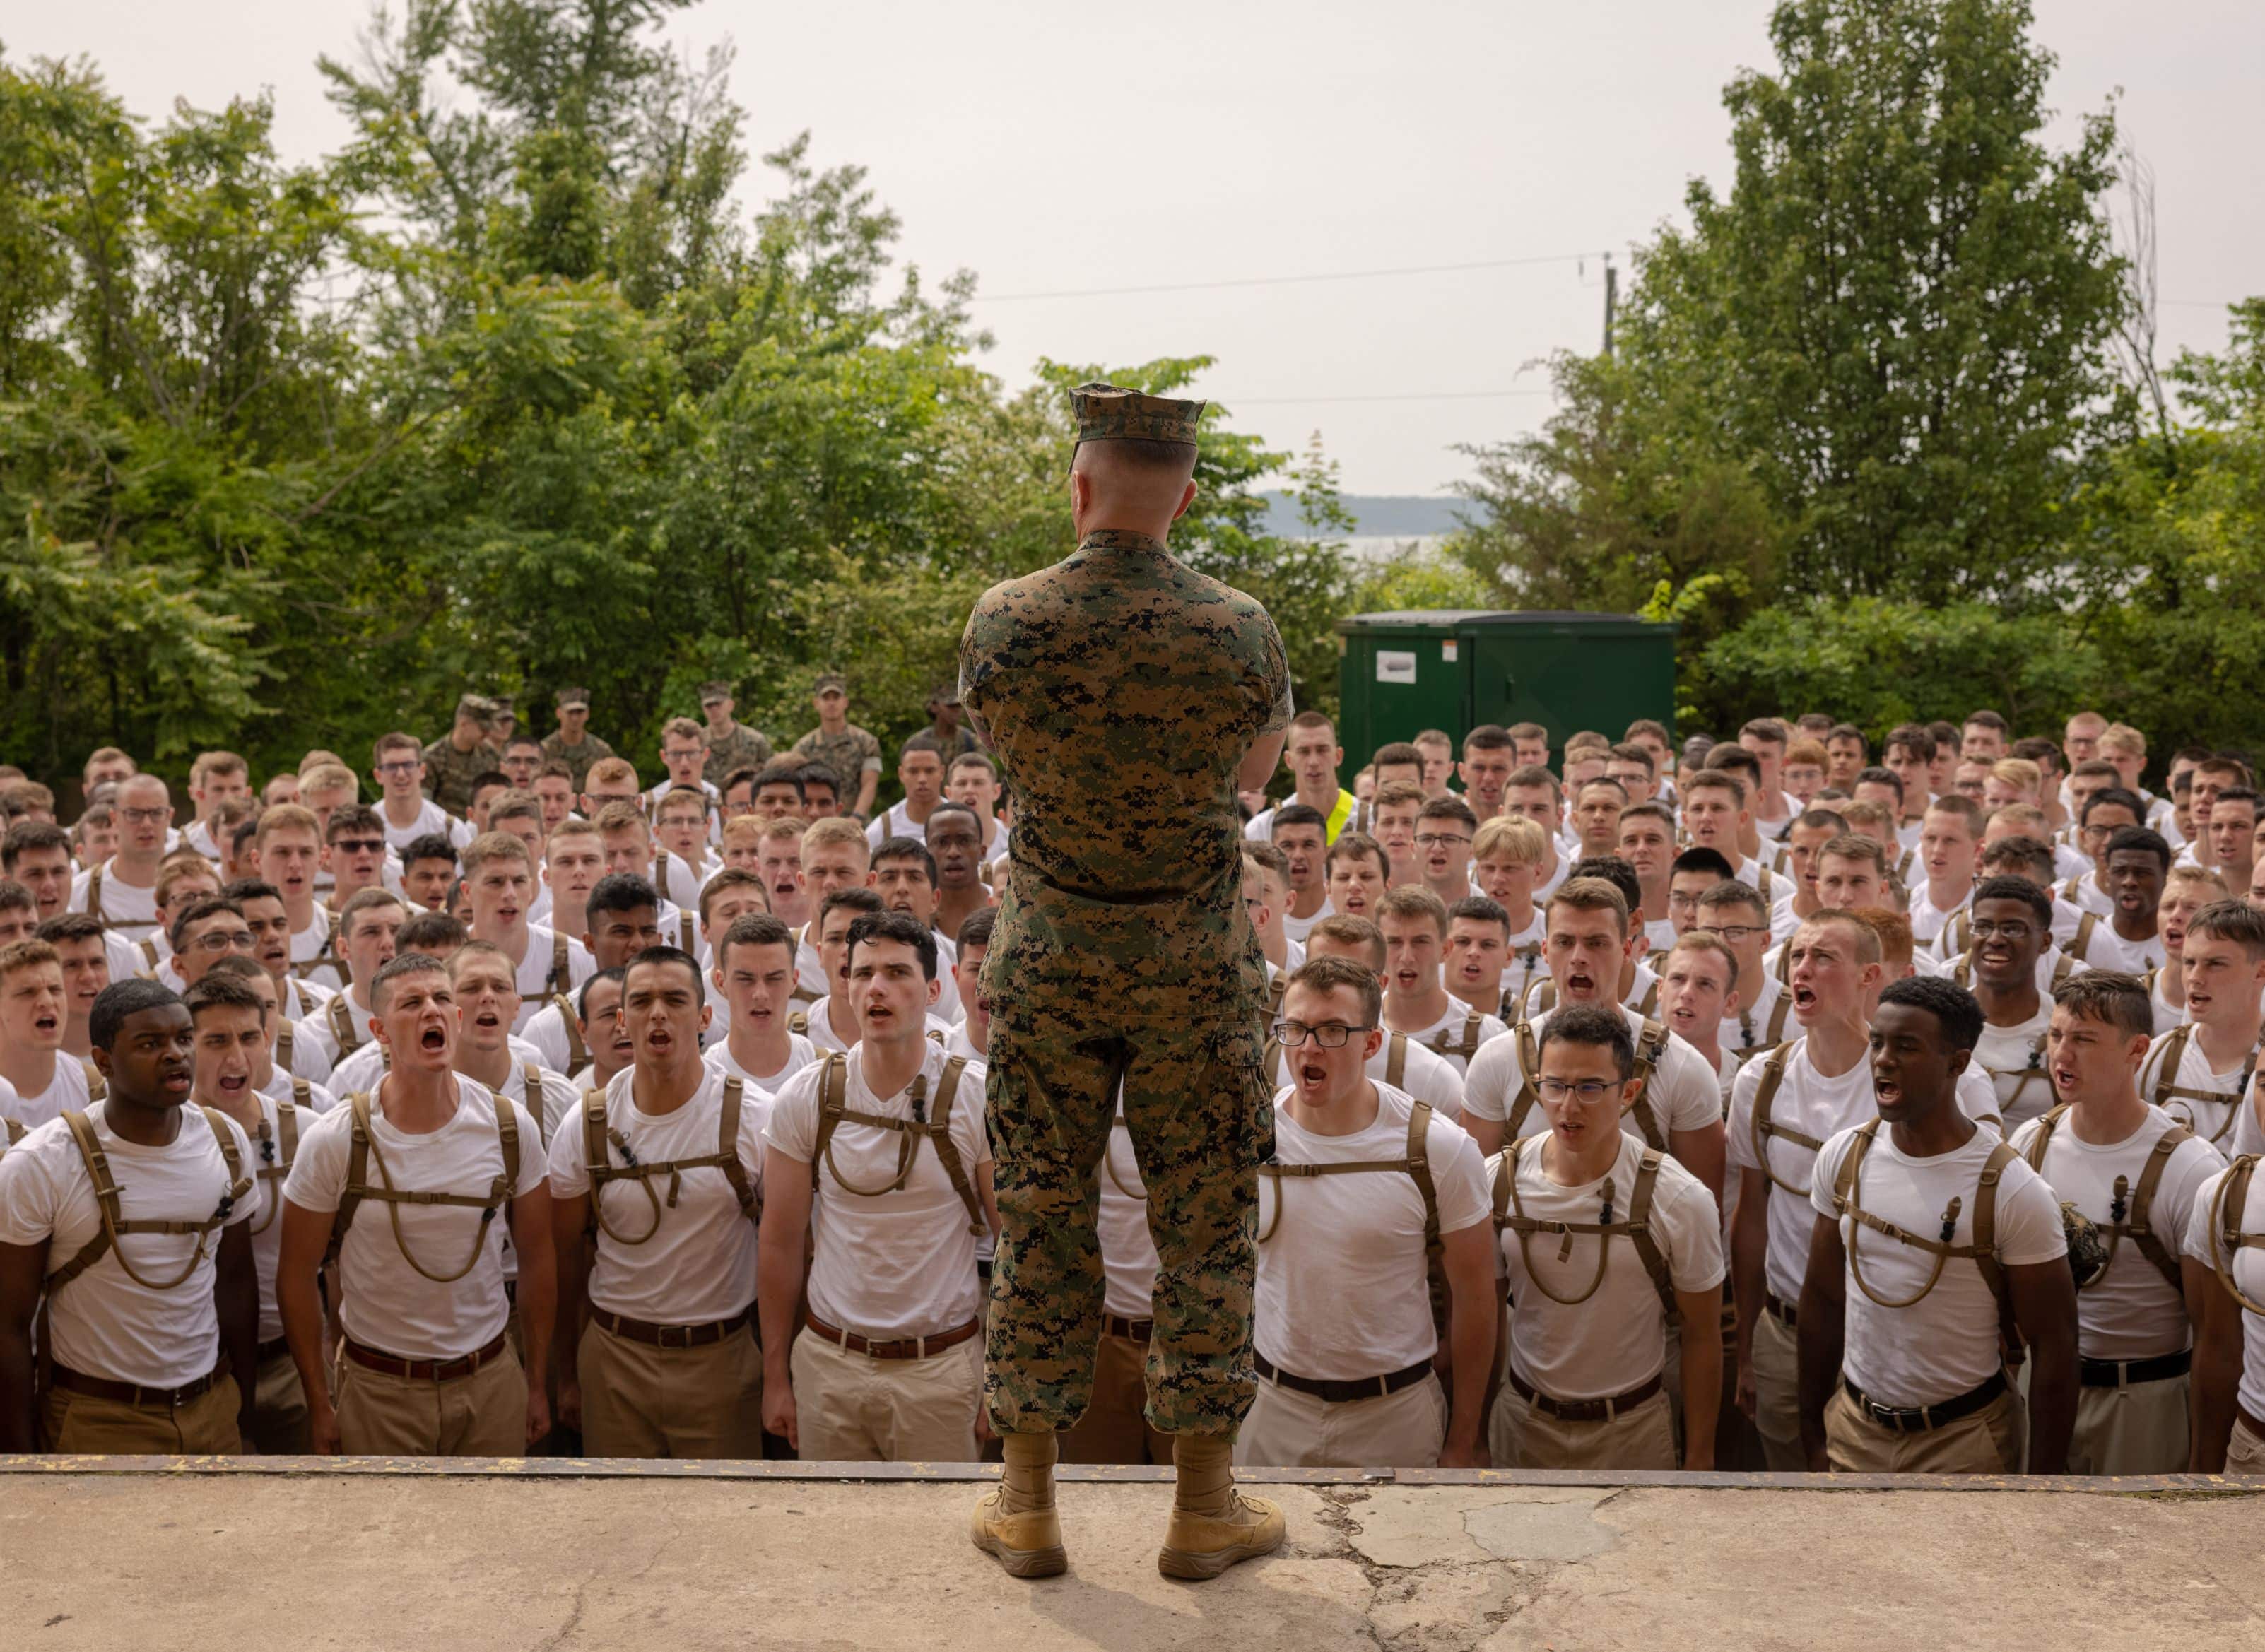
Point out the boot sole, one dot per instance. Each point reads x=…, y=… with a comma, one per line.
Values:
x=1047, y=1562
x=1202, y=1565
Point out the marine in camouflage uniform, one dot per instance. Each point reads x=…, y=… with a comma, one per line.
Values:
x=1120, y=691
x=728, y=754
x=586, y=753
x=849, y=754
x=450, y=768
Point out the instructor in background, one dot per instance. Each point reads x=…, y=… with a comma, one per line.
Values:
x=1127, y=697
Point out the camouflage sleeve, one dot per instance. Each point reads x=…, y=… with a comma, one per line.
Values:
x=1273, y=687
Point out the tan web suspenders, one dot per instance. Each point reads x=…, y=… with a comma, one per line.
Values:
x=17, y=1130
x=798, y=1021
x=148, y=948
x=1765, y=1127
x=1509, y=1216
x=342, y=1027
x=2227, y=1241
x=286, y=1039
x=561, y=975
x=1982, y=1250
x=800, y=993
x=274, y=1162
x=2024, y=1076
x=833, y=1109
x=114, y=1225
x=1651, y=1044
x=2129, y=1207
x=1465, y=1044
x=364, y=1153
x=597, y=1135
x=2079, y=944
x=1415, y=1163
x=2167, y=1087
x=578, y=1053
x=98, y=1087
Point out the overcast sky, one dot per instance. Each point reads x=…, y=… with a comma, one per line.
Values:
x=1052, y=148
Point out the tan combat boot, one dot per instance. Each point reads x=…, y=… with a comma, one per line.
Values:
x=1213, y=1524
x=1015, y=1519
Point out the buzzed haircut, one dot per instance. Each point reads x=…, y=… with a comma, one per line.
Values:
x=196, y=912
x=430, y=846
x=400, y=965
x=911, y=849
x=1345, y=931
x=1614, y=871
x=2110, y=997
x=900, y=926
x=1450, y=808
x=1894, y=933
x=430, y=934
x=730, y=878
x=1412, y=900
x=1956, y=1010
x=472, y=951
x=1702, y=859
x=366, y=901
x=975, y=928
x=1331, y=974
x=1299, y=814
x=622, y=892
x=582, y=1000
x=1869, y=949
x=856, y=897
x=1354, y=845
x=1965, y=808
x=668, y=958
x=2033, y=853
x=115, y=1003
x=25, y=836
x=1479, y=909
x=1854, y=845
x=2234, y=921
x=2020, y=889
x=1590, y=1028
x=1592, y=894
x=2203, y=875
x=1707, y=941
x=755, y=929
x=1492, y=736
x=1813, y=819
x=927, y=827
x=216, y=990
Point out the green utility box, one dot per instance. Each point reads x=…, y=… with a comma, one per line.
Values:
x=1455, y=669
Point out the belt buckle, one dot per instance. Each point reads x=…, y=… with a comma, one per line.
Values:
x=672, y=1336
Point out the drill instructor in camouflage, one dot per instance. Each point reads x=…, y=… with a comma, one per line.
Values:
x=1126, y=697
x=465, y=753
x=572, y=743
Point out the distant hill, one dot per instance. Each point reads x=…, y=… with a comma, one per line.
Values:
x=1399, y=515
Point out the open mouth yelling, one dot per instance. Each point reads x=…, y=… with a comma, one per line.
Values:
x=1311, y=1072
x=434, y=1037
x=488, y=1020
x=1579, y=984
x=177, y=1081
x=1887, y=1092
x=47, y=1022
x=232, y=1085
x=1804, y=999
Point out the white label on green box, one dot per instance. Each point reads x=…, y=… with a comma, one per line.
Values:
x=1395, y=665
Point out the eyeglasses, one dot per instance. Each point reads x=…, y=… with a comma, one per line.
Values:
x=683, y=755
x=359, y=845
x=1557, y=1090
x=144, y=817
x=2014, y=930
x=1328, y=1035
x=403, y=766
x=1681, y=903
x=224, y=941
x=1432, y=840
x=1735, y=933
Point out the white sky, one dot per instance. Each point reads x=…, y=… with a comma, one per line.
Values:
x=1052, y=147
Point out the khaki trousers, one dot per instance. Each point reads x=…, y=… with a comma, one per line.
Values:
x=638, y=1400
x=1115, y=1427
x=1521, y=1436
x=1777, y=1395
x=81, y=1424
x=483, y=1414
x=1988, y=1442
x=279, y=1410
x=1287, y=1429
x=853, y=1409
x=2244, y=1454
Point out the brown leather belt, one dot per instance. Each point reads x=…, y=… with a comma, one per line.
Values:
x=1583, y=1410
x=1783, y=1312
x=897, y=1348
x=669, y=1335
x=1130, y=1330
x=425, y=1370
x=2123, y=1374
x=1919, y=1419
x=268, y=1350
x=133, y=1393
x=1343, y=1390
x=2250, y=1421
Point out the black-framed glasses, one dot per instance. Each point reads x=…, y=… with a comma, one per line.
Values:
x=1557, y=1090
x=1330, y=1035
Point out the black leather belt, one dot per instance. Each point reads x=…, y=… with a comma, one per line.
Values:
x=652, y=1336
x=1602, y=1410
x=134, y=1393
x=1343, y=1390
x=1130, y=1330
x=2123, y=1373
x=1783, y=1312
x=1919, y=1419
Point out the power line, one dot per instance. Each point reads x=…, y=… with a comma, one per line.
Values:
x=1283, y=281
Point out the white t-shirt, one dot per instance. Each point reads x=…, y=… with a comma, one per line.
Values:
x=2084, y=894
x=823, y=1037
x=546, y=1032
x=556, y=1096
x=960, y=1044
x=1296, y=928
x=1128, y=1249
x=129, y=909
x=282, y=1087
x=1927, y=920
x=1946, y=1344
x=800, y=1053
x=311, y=942
x=698, y=1263
x=431, y=818
x=2133, y=1312
x=1341, y=1290
x=267, y=1230
x=1685, y=1093
x=685, y=879
x=895, y=822
x=390, y=1306
x=319, y=1031
x=1445, y=1036
x=1527, y=965
x=2248, y=1267
x=66, y=1090
x=1643, y=994
x=1761, y=1026
x=2013, y=1060
x=104, y=1323
x=534, y=972
x=1617, y=1339
x=361, y=1070
x=2210, y=1115
x=1426, y=1076
x=894, y=1264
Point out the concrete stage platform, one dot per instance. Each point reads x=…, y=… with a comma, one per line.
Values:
x=550, y=1556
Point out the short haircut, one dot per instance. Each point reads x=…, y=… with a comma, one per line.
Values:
x=622, y=892
x=1592, y=894
x=1807, y=751
x=1265, y=856
x=1479, y=909
x=2018, y=772
x=1614, y=871
x=1627, y=751
x=176, y=872
x=2234, y=921
x=927, y=827
x=210, y=763
x=1652, y=808
x=1299, y=814
x=115, y=1003
x=2111, y=997
x=1400, y=752
x=1718, y=779
x=1450, y=808
x=397, y=741
x=1737, y=761
x=1492, y=736
x=1713, y=861
x=730, y=878
x=1393, y=793
x=2138, y=837
x=401, y=964
x=2240, y=795
x=1731, y=892
x=287, y=817
x=1985, y=720
x=1888, y=777
x=64, y=926
x=1869, y=947
x=1956, y=1010
x=495, y=846
x=1345, y=931
x=1592, y=1027
x=582, y=999
x=2122, y=737
x=681, y=800
x=1536, y=774
x=836, y=831
x=1965, y=808
x=2020, y=889
x=911, y=849
x=215, y=990
x=672, y=957
x=1815, y=819
x=25, y=836
x=1854, y=845
x=1894, y=933
x=1412, y=900
x=2033, y=853
x=196, y=912
x=975, y=928
x=2205, y=876
x=1355, y=846
x=1332, y=974
x=1847, y=732
x=755, y=929
x=621, y=815
x=789, y=826
x=900, y=926
x=1707, y=941
x=783, y=771
x=858, y=897
x=975, y=759
x=610, y=771
x=1912, y=738
x=1513, y=838
x=430, y=934
x=24, y=954
x=572, y=826
x=1768, y=730
x=364, y=900
x=430, y=846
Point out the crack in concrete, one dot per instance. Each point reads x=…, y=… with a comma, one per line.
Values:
x=573, y=1622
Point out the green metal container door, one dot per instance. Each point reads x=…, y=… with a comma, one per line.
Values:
x=1455, y=669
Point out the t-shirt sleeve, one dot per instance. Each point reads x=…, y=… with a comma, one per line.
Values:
x=569, y=1168
x=318, y=1174
x=1458, y=1177
x=2195, y=1163
x=1977, y=1099
x=533, y=1167
x=1691, y=1089
x=1827, y=1172
x=2197, y=1243
x=2019, y=1140
x=755, y=1115
x=1694, y=1228
x=1495, y=1076
x=29, y=1193
x=2028, y=1219
x=792, y=1127
x=1743, y=1090
x=968, y=1121
x=559, y=1099
x=255, y=1197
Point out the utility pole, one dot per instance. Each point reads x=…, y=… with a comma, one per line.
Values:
x=1612, y=292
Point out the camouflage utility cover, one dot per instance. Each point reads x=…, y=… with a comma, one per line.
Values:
x=1107, y=413
x=1120, y=689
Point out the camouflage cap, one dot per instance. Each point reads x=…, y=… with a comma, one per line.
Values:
x=479, y=708
x=715, y=689
x=1108, y=412
x=573, y=699
x=830, y=680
